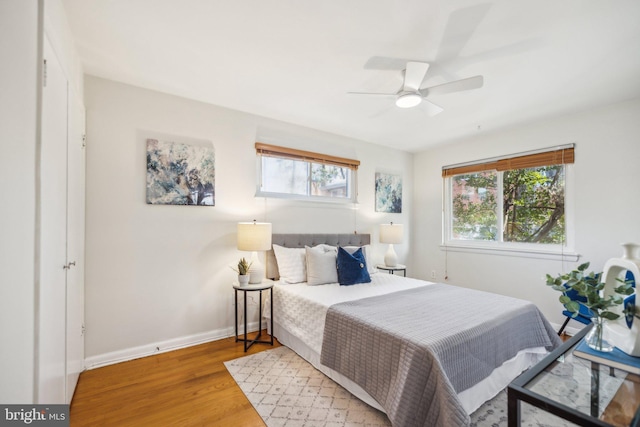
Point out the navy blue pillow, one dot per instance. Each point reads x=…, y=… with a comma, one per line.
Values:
x=352, y=268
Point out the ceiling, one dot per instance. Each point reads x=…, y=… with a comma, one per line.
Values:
x=295, y=60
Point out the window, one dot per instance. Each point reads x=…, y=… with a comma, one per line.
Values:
x=508, y=201
x=290, y=173
x=474, y=206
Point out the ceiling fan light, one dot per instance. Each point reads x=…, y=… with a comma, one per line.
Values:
x=408, y=100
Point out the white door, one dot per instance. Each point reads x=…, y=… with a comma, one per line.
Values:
x=75, y=243
x=51, y=302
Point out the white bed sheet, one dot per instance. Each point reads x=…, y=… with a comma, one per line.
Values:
x=301, y=309
x=300, y=312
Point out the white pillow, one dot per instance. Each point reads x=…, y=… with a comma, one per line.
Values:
x=327, y=248
x=291, y=264
x=321, y=265
x=371, y=267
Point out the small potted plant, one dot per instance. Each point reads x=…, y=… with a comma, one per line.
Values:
x=588, y=285
x=243, y=271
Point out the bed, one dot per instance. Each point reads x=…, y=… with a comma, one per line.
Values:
x=424, y=353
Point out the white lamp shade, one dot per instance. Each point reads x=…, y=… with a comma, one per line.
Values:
x=254, y=236
x=391, y=233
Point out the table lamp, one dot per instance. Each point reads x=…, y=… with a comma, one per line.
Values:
x=391, y=233
x=254, y=236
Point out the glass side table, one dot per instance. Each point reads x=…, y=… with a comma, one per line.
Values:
x=265, y=285
x=392, y=270
x=580, y=391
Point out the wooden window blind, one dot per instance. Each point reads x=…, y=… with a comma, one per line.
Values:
x=294, y=154
x=561, y=156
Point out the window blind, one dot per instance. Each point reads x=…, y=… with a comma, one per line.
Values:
x=294, y=154
x=556, y=156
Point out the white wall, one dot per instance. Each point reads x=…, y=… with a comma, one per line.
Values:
x=159, y=276
x=607, y=175
x=18, y=109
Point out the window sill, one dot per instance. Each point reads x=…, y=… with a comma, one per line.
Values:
x=511, y=251
x=307, y=199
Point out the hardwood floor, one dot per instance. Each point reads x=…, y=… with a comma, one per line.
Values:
x=188, y=387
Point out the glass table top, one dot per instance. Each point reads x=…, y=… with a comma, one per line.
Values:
x=609, y=394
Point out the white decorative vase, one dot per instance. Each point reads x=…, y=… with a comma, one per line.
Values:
x=623, y=336
x=243, y=279
x=630, y=251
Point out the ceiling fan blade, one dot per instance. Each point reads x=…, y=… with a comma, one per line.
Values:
x=431, y=108
x=386, y=63
x=372, y=94
x=461, y=25
x=386, y=110
x=474, y=82
x=413, y=75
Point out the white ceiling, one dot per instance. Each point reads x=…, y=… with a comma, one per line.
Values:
x=295, y=60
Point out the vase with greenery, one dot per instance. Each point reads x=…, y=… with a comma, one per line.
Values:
x=243, y=271
x=589, y=286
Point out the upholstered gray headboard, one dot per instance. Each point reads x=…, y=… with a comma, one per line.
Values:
x=302, y=240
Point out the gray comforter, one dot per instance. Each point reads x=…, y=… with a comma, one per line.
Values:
x=414, y=350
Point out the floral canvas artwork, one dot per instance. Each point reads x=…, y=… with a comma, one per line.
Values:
x=180, y=174
x=388, y=193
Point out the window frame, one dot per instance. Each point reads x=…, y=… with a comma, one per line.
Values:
x=499, y=247
x=310, y=158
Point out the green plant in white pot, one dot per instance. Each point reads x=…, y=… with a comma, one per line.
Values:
x=589, y=286
x=243, y=271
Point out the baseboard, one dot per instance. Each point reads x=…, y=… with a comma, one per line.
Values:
x=571, y=331
x=152, y=349
x=568, y=330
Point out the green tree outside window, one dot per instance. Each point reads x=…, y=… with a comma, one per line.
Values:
x=532, y=209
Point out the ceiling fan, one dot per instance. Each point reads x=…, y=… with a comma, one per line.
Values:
x=411, y=95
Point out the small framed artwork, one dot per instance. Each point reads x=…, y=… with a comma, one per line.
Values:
x=388, y=193
x=180, y=174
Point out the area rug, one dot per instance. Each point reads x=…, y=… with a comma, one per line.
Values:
x=287, y=391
